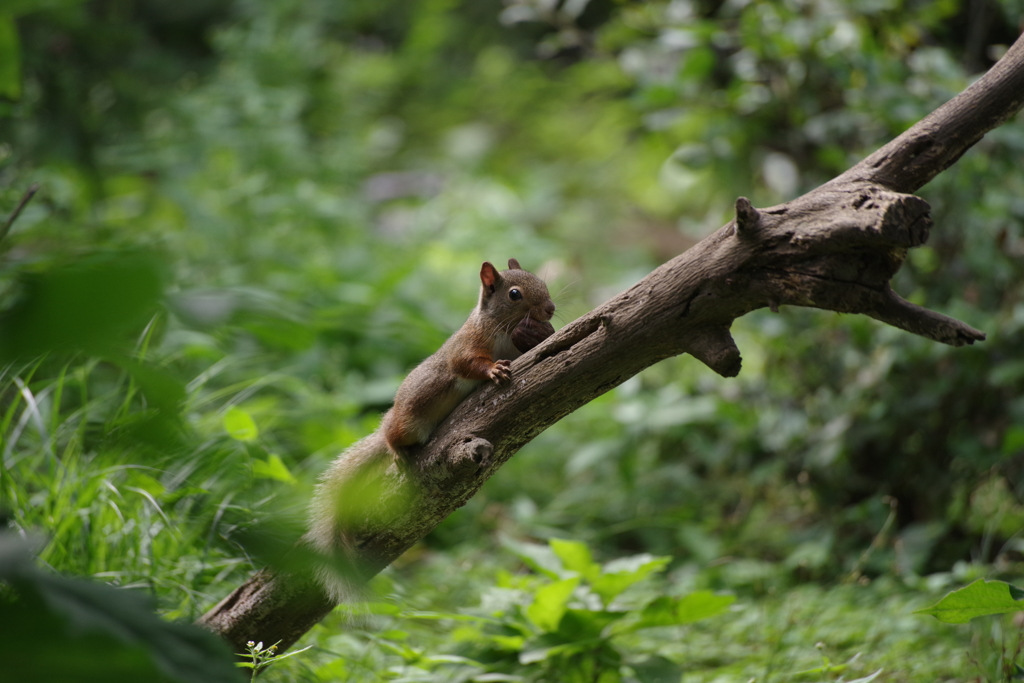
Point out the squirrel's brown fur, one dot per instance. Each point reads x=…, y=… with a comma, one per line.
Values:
x=482, y=349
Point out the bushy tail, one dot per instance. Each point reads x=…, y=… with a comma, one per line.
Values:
x=348, y=490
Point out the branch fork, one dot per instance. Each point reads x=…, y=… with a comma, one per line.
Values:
x=837, y=248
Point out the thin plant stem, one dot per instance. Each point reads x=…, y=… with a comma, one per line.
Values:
x=31, y=192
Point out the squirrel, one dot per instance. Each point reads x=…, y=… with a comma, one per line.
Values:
x=512, y=316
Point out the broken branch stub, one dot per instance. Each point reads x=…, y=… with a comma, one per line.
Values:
x=837, y=248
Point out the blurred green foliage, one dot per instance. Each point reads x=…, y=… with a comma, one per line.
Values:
x=256, y=215
x=59, y=629
x=574, y=621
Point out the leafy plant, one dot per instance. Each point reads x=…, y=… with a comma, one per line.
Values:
x=262, y=657
x=977, y=599
x=572, y=619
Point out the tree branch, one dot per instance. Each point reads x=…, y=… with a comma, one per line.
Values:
x=834, y=248
x=25, y=198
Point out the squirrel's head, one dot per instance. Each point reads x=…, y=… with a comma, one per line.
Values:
x=514, y=294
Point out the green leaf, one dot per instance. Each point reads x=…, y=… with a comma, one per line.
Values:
x=1013, y=441
x=667, y=611
x=549, y=603
x=89, y=305
x=271, y=468
x=538, y=557
x=388, y=608
x=659, y=612
x=54, y=627
x=161, y=389
x=10, y=59
x=510, y=643
x=575, y=556
x=701, y=605
x=586, y=624
x=532, y=655
x=977, y=599
x=394, y=633
x=240, y=425
x=658, y=669
x=613, y=580
x=278, y=658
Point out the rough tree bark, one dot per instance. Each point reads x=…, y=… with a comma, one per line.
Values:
x=834, y=248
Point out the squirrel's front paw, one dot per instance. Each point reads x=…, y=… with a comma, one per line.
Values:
x=501, y=371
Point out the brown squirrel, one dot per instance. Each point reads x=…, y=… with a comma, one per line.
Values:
x=511, y=317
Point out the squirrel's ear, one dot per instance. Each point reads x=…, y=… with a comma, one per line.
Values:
x=488, y=275
x=514, y=265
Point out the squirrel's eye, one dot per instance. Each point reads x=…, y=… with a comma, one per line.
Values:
x=515, y=294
